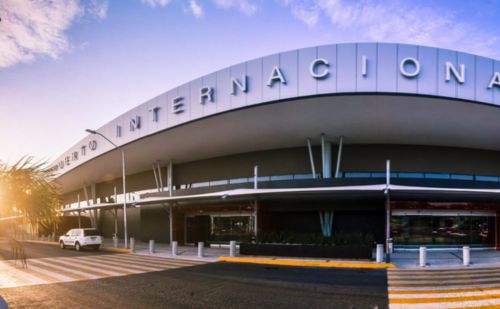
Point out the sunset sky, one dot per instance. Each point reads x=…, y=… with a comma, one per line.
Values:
x=69, y=65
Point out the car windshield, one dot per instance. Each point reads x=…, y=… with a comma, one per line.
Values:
x=91, y=232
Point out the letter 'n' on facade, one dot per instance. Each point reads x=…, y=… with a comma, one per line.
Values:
x=236, y=84
x=450, y=69
x=135, y=123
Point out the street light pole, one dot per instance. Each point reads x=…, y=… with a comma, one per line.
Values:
x=125, y=233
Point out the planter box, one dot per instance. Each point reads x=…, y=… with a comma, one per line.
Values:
x=293, y=250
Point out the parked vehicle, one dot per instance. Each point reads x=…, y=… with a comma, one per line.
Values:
x=81, y=238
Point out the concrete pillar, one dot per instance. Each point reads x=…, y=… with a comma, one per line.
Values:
x=380, y=253
x=200, y=249
x=466, y=255
x=151, y=246
x=174, y=248
x=326, y=157
x=132, y=244
x=423, y=257
x=232, y=248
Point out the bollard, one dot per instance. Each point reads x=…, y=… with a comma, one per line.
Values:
x=115, y=241
x=200, y=249
x=232, y=248
x=423, y=257
x=174, y=248
x=132, y=244
x=151, y=246
x=380, y=253
x=466, y=256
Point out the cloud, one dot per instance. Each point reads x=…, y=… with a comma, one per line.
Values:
x=196, y=9
x=98, y=8
x=154, y=3
x=35, y=28
x=396, y=21
x=243, y=6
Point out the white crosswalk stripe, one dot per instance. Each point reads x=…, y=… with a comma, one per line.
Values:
x=472, y=287
x=65, y=269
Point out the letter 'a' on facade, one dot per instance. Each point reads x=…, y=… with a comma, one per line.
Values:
x=297, y=143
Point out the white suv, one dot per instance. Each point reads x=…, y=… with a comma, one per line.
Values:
x=80, y=238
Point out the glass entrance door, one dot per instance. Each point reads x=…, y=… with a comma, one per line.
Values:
x=443, y=230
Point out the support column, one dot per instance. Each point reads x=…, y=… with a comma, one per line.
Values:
x=160, y=178
x=339, y=157
x=326, y=157
x=169, y=177
x=387, y=206
x=79, y=213
x=171, y=224
x=95, y=212
x=311, y=158
x=256, y=214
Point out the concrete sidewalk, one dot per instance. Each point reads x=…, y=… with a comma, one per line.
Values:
x=165, y=250
x=443, y=259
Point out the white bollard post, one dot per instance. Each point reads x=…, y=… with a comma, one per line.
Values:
x=232, y=248
x=115, y=242
x=174, y=248
x=423, y=257
x=200, y=249
x=380, y=253
x=466, y=255
x=132, y=244
x=151, y=246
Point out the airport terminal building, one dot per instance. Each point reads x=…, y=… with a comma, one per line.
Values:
x=398, y=141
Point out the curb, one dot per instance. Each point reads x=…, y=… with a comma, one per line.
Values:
x=108, y=249
x=302, y=263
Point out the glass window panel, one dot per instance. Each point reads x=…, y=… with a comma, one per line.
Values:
x=357, y=175
x=487, y=178
x=282, y=177
x=238, y=180
x=303, y=176
x=437, y=176
x=462, y=177
x=411, y=175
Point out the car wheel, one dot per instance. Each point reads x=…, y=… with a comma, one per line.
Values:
x=96, y=247
x=61, y=244
x=77, y=246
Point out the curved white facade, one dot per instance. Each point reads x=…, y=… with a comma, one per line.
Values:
x=361, y=68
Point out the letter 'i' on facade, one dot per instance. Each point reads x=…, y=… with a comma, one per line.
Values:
x=276, y=75
x=135, y=123
x=495, y=80
x=316, y=73
x=178, y=105
x=155, y=110
x=450, y=69
x=409, y=61
x=364, y=63
x=118, y=131
x=235, y=84
x=206, y=94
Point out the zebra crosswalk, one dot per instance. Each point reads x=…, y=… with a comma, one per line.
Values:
x=66, y=269
x=473, y=287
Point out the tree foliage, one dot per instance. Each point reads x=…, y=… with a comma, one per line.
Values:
x=27, y=188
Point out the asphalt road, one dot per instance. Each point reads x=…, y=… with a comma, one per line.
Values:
x=34, y=251
x=213, y=285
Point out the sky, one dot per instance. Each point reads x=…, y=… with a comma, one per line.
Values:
x=68, y=65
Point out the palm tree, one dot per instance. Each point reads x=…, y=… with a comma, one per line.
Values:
x=28, y=190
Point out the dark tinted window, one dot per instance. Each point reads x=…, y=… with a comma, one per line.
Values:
x=91, y=232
